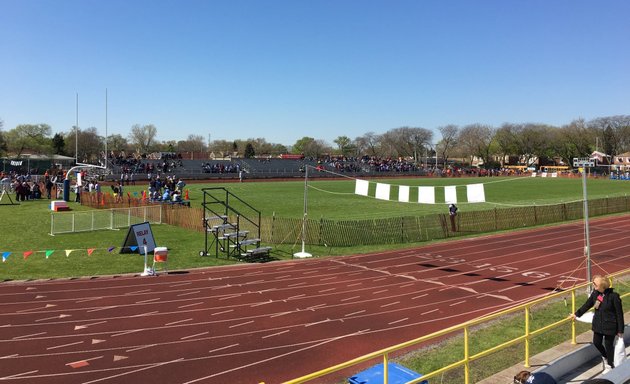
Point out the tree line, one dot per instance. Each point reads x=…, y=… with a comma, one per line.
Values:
x=521, y=143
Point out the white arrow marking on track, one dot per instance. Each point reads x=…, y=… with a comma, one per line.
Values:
x=54, y=317
x=77, y=327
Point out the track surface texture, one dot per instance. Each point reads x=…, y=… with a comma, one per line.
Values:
x=277, y=321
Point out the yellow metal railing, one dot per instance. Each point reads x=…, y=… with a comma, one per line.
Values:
x=464, y=328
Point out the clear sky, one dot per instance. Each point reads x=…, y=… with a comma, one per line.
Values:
x=284, y=69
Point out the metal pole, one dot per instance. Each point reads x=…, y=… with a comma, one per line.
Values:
x=105, y=130
x=303, y=253
x=587, y=249
x=76, y=134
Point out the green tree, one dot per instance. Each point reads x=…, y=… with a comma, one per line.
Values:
x=58, y=144
x=249, y=151
x=32, y=137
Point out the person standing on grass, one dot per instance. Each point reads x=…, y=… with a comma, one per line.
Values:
x=607, y=320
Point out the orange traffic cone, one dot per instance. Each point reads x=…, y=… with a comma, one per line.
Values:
x=186, y=195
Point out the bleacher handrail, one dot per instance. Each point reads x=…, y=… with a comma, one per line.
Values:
x=465, y=328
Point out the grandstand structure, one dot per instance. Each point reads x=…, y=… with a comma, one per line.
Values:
x=259, y=168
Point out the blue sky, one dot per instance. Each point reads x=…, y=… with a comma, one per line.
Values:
x=286, y=69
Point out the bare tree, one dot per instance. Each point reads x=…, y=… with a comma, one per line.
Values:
x=449, y=140
x=406, y=141
x=143, y=137
x=368, y=144
x=194, y=143
x=475, y=141
x=89, y=144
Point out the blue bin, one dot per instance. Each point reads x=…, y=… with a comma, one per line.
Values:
x=396, y=374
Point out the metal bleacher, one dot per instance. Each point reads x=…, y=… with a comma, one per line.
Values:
x=232, y=227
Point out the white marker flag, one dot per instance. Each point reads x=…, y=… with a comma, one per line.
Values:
x=361, y=187
x=403, y=193
x=426, y=195
x=382, y=191
x=450, y=195
x=475, y=193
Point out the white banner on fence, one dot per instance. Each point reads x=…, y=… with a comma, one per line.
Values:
x=475, y=193
x=450, y=194
x=382, y=191
x=426, y=195
x=361, y=187
x=403, y=193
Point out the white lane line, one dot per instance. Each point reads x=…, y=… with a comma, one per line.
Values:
x=195, y=335
x=296, y=284
x=139, y=348
x=317, y=322
x=190, y=305
x=180, y=284
x=275, y=334
x=27, y=336
x=241, y=324
x=64, y=345
x=188, y=293
x=152, y=366
x=389, y=304
x=354, y=273
x=328, y=278
x=310, y=272
x=407, y=285
x=354, y=313
x=350, y=298
x=327, y=290
x=9, y=356
x=17, y=375
x=398, y=321
x=222, y=312
x=419, y=296
x=145, y=314
x=280, y=314
x=136, y=292
x=147, y=301
x=230, y=297
x=101, y=308
x=355, y=284
x=89, y=299
x=381, y=291
x=261, y=303
x=314, y=307
x=431, y=311
x=283, y=277
x=379, y=279
x=457, y=303
x=178, y=322
x=126, y=332
x=222, y=348
x=296, y=296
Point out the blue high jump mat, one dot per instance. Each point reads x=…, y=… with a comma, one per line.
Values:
x=397, y=374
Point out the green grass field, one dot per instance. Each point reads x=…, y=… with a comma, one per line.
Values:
x=26, y=227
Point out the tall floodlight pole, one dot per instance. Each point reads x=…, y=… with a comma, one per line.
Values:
x=105, y=129
x=76, y=134
x=586, y=163
x=303, y=253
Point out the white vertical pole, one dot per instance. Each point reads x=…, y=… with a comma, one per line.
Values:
x=587, y=249
x=76, y=134
x=105, y=129
x=303, y=253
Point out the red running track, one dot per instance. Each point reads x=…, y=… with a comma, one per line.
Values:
x=277, y=321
